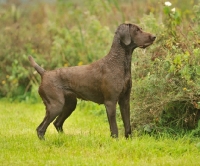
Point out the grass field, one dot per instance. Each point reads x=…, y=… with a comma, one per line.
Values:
x=86, y=141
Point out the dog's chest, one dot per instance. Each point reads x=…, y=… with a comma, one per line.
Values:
x=127, y=83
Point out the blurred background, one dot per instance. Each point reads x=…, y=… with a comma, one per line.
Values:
x=63, y=33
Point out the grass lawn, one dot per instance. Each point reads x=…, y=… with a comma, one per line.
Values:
x=86, y=141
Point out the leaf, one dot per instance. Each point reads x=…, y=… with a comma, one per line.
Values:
x=147, y=128
x=166, y=10
x=198, y=70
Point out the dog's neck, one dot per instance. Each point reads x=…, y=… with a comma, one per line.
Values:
x=120, y=54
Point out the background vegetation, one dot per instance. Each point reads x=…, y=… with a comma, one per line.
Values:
x=166, y=90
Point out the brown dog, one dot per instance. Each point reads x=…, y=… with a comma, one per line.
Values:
x=106, y=81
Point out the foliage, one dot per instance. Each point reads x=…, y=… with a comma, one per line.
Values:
x=166, y=87
x=58, y=35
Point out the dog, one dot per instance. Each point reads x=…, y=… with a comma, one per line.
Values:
x=106, y=81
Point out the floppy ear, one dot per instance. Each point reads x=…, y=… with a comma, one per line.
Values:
x=124, y=34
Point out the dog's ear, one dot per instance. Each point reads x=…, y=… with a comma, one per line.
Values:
x=124, y=33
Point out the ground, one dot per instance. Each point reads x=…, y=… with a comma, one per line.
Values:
x=86, y=141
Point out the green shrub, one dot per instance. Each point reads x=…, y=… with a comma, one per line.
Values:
x=166, y=87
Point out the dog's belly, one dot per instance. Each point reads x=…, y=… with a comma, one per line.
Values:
x=85, y=93
x=96, y=97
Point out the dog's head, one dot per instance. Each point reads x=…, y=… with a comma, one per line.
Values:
x=133, y=34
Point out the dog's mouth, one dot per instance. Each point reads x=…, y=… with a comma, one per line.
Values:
x=145, y=45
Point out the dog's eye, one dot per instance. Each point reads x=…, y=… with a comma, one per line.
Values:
x=138, y=29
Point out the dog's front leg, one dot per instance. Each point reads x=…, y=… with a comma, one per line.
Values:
x=124, y=104
x=111, y=113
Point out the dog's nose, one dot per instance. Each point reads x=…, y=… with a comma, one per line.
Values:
x=153, y=37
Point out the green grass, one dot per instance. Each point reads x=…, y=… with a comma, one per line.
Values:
x=86, y=141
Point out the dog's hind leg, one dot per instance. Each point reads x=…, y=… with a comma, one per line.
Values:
x=69, y=107
x=53, y=109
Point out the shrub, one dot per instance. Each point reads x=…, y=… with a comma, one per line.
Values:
x=166, y=87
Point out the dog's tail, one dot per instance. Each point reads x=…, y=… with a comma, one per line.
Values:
x=38, y=68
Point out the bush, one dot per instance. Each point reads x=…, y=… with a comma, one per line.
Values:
x=166, y=87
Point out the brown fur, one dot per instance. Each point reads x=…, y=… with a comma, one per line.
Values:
x=106, y=81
